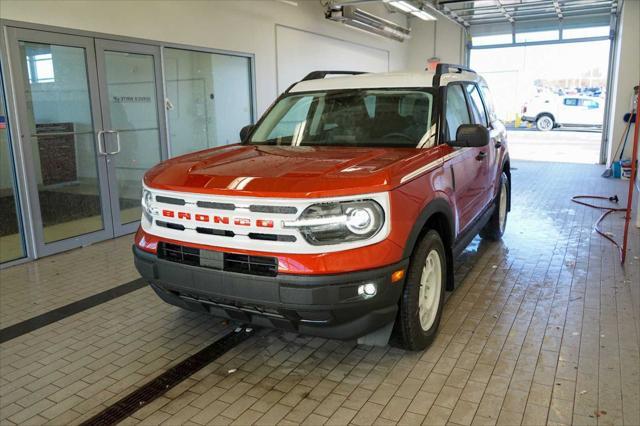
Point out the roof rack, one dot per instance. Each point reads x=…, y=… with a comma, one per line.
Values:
x=449, y=68
x=446, y=68
x=316, y=75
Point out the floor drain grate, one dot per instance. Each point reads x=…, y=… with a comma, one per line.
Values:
x=167, y=380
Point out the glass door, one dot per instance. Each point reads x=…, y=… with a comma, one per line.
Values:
x=132, y=139
x=59, y=111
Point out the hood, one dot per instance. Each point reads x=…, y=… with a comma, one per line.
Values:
x=285, y=171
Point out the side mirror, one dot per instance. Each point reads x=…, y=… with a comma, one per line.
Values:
x=471, y=135
x=244, y=132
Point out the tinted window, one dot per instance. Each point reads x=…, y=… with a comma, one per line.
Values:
x=477, y=108
x=457, y=112
x=488, y=102
x=571, y=102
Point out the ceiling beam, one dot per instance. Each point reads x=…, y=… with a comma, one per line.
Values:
x=454, y=15
x=504, y=11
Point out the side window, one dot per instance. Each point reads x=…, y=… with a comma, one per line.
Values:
x=488, y=103
x=571, y=102
x=589, y=103
x=477, y=108
x=456, y=109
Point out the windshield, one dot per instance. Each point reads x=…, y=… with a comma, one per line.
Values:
x=362, y=118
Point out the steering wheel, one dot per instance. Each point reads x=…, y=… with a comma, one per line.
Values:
x=396, y=134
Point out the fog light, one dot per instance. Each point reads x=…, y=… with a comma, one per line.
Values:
x=367, y=290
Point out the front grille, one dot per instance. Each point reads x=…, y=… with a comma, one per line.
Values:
x=170, y=225
x=273, y=209
x=254, y=265
x=217, y=206
x=232, y=262
x=179, y=254
x=272, y=237
x=219, y=232
x=170, y=200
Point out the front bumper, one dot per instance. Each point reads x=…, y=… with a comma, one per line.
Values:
x=321, y=305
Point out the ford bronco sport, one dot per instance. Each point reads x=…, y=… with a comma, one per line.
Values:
x=341, y=211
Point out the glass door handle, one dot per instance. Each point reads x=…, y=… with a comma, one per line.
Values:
x=99, y=134
x=101, y=147
x=117, y=133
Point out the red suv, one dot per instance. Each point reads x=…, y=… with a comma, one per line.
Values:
x=341, y=211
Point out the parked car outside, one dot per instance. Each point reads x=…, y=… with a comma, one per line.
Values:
x=552, y=112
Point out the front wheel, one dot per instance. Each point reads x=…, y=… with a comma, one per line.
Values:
x=423, y=294
x=494, y=229
x=544, y=123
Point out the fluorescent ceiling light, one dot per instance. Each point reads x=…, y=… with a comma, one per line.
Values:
x=365, y=21
x=410, y=8
x=423, y=15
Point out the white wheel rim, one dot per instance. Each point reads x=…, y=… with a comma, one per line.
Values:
x=545, y=123
x=430, y=287
x=503, y=207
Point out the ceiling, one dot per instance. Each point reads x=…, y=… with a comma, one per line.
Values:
x=482, y=12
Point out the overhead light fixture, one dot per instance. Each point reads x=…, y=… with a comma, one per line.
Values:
x=408, y=7
x=358, y=18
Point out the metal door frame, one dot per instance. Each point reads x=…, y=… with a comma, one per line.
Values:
x=15, y=35
x=101, y=47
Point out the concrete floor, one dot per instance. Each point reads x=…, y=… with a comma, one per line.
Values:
x=559, y=145
x=543, y=328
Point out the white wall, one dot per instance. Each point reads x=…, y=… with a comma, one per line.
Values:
x=243, y=26
x=442, y=39
x=626, y=76
x=300, y=52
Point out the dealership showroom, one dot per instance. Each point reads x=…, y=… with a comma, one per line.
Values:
x=341, y=212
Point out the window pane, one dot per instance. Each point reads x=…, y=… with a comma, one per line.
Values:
x=11, y=242
x=488, y=101
x=537, y=36
x=491, y=39
x=208, y=98
x=63, y=144
x=571, y=33
x=457, y=112
x=479, y=115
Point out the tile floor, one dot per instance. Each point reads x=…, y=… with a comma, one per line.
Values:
x=543, y=328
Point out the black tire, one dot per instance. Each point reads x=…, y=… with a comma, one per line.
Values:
x=409, y=329
x=545, y=122
x=494, y=230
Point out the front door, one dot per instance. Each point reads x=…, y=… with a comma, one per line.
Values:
x=468, y=170
x=59, y=113
x=131, y=141
x=90, y=126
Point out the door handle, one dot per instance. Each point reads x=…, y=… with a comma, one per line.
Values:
x=481, y=156
x=99, y=134
x=117, y=151
x=101, y=147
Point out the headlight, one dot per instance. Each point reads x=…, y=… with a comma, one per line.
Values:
x=147, y=199
x=338, y=222
x=148, y=208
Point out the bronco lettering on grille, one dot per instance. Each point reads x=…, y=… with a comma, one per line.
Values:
x=225, y=220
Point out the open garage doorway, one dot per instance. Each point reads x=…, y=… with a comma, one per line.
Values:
x=552, y=95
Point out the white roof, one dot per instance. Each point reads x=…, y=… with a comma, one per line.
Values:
x=382, y=80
